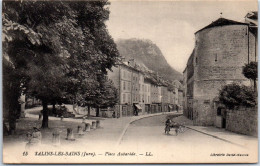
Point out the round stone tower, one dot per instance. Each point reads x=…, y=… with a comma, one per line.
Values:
x=221, y=50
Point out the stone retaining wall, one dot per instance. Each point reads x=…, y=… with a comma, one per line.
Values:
x=243, y=121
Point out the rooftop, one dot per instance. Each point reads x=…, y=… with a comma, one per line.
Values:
x=252, y=15
x=222, y=22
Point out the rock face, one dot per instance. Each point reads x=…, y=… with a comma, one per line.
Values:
x=149, y=55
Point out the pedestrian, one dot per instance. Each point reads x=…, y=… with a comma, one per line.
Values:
x=136, y=112
x=114, y=114
x=167, y=126
x=40, y=115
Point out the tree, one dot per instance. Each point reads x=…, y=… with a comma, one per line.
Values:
x=36, y=52
x=60, y=49
x=234, y=95
x=12, y=92
x=13, y=77
x=250, y=72
x=107, y=95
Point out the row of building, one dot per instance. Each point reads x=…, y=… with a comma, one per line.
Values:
x=221, y=50
x=142, y=91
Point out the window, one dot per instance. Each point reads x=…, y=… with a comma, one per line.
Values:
x=123, y=74
x=129, y=86
x=219, y=111
x=123, y=98
x=129, y=98
x=148, y=99
x=124, y=87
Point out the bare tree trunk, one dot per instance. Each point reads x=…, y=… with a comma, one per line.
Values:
x=45, y=114
x=12, y=122
x=255, y=86
x=12, y=114
x=97, y=112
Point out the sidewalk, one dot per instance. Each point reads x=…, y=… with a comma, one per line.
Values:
x=219, y=133
x=225, y=135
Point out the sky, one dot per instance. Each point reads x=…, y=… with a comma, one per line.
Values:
x=171, y=24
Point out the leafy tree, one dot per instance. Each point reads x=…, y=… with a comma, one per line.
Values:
x=13, y=77
x=234, y=95
x=58, y=49
x=106, y=96
x=37, y=55
x=250, y=72
x=12, y=92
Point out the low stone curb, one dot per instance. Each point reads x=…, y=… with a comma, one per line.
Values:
x=222, y=139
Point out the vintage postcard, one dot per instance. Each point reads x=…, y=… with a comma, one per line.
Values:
x=111, y=81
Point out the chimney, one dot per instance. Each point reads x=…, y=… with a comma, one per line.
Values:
x=131, y=62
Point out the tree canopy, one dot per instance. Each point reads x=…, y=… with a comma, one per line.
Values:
x=250, y=72
x=58, y=48
x=234, y=95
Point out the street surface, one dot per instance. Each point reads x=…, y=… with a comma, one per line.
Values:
x=148, y=135
x=141, y=141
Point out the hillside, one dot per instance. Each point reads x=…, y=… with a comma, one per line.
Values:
x=147, y=53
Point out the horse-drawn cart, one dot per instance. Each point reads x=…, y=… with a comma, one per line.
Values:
x=178, y=128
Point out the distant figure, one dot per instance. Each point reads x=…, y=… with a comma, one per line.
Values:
x=118, y=114
x=168, y=121
x=114, y=114
x=40, y=116
x=136, y=112
x=167, y=126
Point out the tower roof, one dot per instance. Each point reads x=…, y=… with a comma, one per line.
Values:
x=222, y=22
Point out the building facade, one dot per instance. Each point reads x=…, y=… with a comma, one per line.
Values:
x=122, y=77
x=221, y=50
x=140, y=92
x=165, y=98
